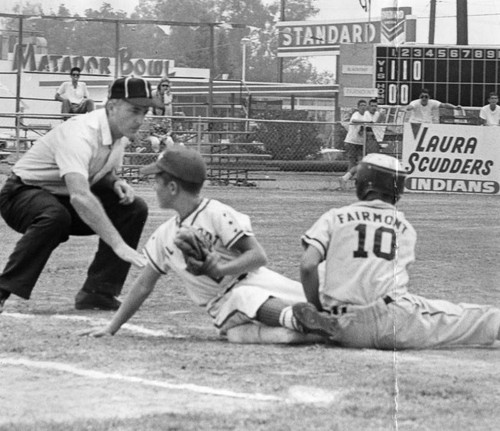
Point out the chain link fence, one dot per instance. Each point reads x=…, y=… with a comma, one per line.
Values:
x=254, y=152
x=281, y=154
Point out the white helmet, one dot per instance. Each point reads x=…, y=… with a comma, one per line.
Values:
x=381, y=173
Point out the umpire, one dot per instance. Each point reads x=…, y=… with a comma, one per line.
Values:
x=66, y=184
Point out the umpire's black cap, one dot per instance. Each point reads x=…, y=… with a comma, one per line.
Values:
x=136, y=91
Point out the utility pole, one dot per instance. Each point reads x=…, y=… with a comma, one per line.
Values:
x=280, y=59
x=462, y=19
x=211, y=71
x=432, y=22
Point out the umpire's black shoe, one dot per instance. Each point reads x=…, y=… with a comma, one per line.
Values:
x=312, y=321
x=4, y=295
x=95, y=301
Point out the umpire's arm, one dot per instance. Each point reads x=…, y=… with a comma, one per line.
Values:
x=309, y=275
x=91, y=211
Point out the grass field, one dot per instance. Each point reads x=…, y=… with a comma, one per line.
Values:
x=169, y=371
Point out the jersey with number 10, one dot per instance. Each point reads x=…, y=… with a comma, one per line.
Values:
x=367, y=247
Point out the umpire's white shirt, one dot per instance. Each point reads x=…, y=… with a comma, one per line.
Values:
x=80, y=145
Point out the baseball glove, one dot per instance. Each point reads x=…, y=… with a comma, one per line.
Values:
x=198, y=252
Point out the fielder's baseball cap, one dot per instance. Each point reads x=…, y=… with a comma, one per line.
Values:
x=181, y=162
x=136, y=91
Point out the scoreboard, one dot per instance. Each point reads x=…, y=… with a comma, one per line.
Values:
x=462, y=75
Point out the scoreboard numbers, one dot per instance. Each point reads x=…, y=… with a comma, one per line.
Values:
x=461, y=75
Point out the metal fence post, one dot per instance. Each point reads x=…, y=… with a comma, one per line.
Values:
x=198, y=127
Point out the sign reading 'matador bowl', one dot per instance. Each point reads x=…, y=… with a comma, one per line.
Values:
x=447, y=158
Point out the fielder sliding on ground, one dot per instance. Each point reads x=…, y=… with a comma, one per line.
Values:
x=248, y=302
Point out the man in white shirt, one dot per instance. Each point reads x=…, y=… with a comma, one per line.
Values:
x=425, y=109
x=374, y=134
x=66, y=184
x=74, y=95
x=489, y=115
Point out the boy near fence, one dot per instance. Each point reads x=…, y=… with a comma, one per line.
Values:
x=362, y=138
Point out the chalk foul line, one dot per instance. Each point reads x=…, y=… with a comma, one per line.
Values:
x=97, y=321
x=98, y=375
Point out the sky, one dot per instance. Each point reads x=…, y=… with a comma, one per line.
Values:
x=484, y=16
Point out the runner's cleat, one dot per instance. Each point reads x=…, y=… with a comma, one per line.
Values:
x=314, y=322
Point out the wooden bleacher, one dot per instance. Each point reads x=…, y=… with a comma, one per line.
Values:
x=228, y=163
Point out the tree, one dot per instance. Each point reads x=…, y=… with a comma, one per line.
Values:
x=188, y=45
x=295, y=10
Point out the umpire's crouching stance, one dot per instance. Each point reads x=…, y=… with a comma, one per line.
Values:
x=66, y=185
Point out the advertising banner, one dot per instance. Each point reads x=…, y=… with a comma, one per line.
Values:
x=309, y=38
x=396, y=27
x=445, y=158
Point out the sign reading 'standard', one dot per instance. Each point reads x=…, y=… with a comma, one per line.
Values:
x=299, y=38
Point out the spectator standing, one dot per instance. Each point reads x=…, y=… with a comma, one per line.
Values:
x=425, y=109
x=357, y=141
x=374, y=134
x=66, y=184
x=164, y=98
x=489, y=115
x=164, y=95
x=74, y=95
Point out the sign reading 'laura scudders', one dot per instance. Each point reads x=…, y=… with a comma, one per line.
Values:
x=448, y=158
x=28, y=60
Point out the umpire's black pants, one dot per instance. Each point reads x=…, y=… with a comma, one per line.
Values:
x=47, y=220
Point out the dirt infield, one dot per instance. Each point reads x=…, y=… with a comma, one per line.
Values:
x=170, y=371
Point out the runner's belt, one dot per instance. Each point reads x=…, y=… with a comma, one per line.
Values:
x=342, y=309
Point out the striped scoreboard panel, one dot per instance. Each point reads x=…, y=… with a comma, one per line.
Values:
x=462, y=75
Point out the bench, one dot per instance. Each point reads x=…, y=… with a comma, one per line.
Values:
x=230, y=168
x=223, y=168
x=37, y=128
x=238, y=155
x=25, y=143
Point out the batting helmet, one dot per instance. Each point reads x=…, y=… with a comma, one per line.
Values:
x=382, y=174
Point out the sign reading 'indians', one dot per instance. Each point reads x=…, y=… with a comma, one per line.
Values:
x=445, y=158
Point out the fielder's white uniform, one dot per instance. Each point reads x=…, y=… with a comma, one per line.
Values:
x=234, y=300
x=367, y=247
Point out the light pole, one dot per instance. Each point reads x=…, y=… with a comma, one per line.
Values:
x=244, y=43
